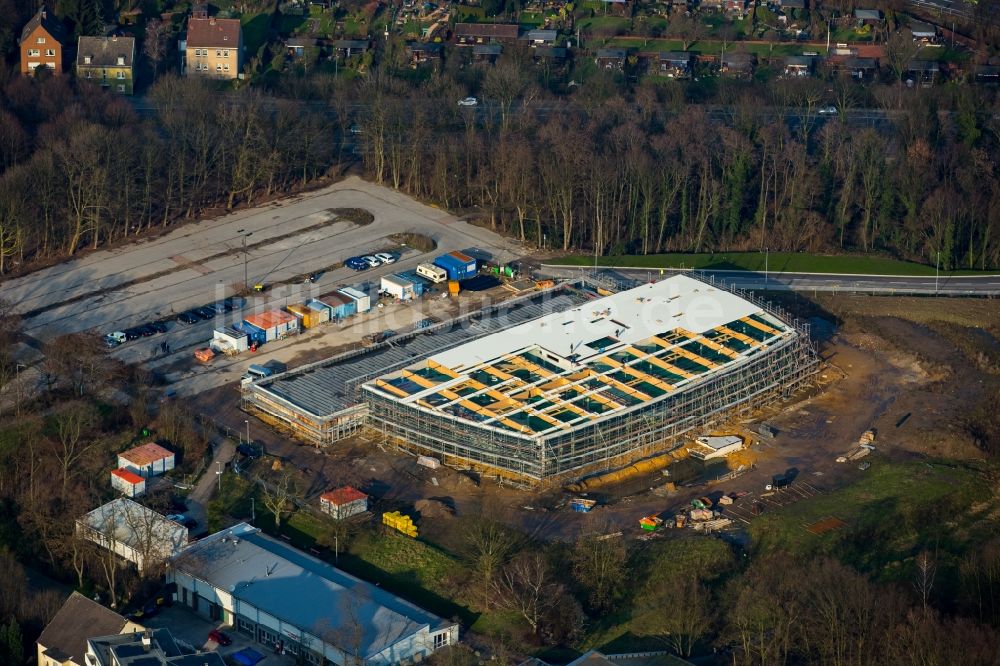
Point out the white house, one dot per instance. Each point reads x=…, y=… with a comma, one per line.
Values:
x=343, y=502
x=127, y=482
x=294, y=603
x=147, y=460
x=133, y=532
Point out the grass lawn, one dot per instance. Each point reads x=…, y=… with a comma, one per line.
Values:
x=777, y=262
x=254, y=31
x=890, y=511
x=532, y=19
x=606, y=23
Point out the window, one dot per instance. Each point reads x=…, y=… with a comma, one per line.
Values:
x=226, y=67
x=121, y=88
x=86, y=60
x=34, y=53
x=121, y=60
x=50, y=53
x=121, y=75
x=225, y=54
x=41, y=40
x=218, y=54
x=245, y=626
x=440, y=640
x=218, y=67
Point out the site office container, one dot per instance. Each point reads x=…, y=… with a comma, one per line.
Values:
x=321, y=309
x=309, y=318
x=229, y=340
x=340, y=306
x=274, y=323
x=360, y=298
x=398, y=287
x=419, y=284
x=458, y=265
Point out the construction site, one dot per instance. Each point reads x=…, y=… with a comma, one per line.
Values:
x=582, y=376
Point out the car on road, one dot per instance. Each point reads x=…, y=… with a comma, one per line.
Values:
x=159, y=326
x=114, y=339
x=188, y=317
x=354, y=129
x=220, y=638
x=314, y=277
x=386, y=257
x=371, y=260
x=468, y=101
x=205, y=312
x=828, y=111
x=357, y=263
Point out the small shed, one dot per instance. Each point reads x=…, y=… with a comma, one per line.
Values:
x=398, y=287
x=306, y=315
x=922, y=31
x=274, y=324
x=229, y=340
x=127, y=482
x=868, y=15
x=798, y=65
x=343, y=502
x=611, y=58
x=340, y=305
x=675, y=64
x=147, y=460
x=321, y=309
x=551, y=53
x=361, y=300
x=542, y=37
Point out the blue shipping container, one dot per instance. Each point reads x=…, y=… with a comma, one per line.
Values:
x=458, y=266
x=419, y=284
x=256, y=334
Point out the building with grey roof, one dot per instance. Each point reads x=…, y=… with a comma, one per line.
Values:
x=64, y=639
x=152, y=647
x=107, y=61
x=297, y=604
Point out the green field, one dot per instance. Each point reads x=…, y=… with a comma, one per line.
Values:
x=777, y=262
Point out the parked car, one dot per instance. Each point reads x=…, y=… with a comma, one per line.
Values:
x=114, y=339
x=828, y=111
x=386, y=257
x=468, y=101
x=219, y=307
x=371, y=260
x=314, y=277
x=159, y=326
x=357, y=263
x=132, y=334
x=176, y=517
x=234, y=302
x=146, y=330
x=188, y=318
x=205, y=312
x=217, y=636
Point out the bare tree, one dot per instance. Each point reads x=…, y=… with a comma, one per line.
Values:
x=924, y=577
x=155, y=42
x=488, y=543
x=900, y=50
x=599, y=565
x=72, y=423
x=525, y=587
x=278, y=496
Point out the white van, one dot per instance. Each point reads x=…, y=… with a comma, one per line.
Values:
x=435, y=274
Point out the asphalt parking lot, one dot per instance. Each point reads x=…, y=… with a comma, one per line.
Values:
x=202, y=262
x=192, y=631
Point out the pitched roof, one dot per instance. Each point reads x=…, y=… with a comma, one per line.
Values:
x=213, y=32
x=612, y=53
x=269, y=319
x=344, y=495
x=105, y=51
x=49, y=23
x=679, y=56
x=77, y=620
x=555, y=52
x=127, y=475
x=502, y=30
x=487, y=49
x=868, y=14
x=146, y=454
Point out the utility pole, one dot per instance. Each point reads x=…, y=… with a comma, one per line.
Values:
x=253, y=510
x=247, y=421
x=246, y=280
x=218, y=473
x=937, y=270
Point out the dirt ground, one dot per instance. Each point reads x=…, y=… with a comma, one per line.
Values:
x=910, y=368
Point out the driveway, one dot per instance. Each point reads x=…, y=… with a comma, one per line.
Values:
x=201, y=494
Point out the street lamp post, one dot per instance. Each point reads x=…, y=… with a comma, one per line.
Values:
x=253, y=510
x=767, y=251
x=247, y=422
x=218, y=473
x=245, y=234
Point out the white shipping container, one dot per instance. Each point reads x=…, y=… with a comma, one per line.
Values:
x=427, y=461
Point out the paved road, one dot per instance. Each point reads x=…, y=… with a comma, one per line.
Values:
x=986, y=286
x=199, y=263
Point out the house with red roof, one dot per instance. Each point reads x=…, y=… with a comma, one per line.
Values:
x=343, y=502
x=213, y=48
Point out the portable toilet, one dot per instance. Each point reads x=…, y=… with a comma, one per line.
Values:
x=364, y=303
x=341, y=306
x=321, y=309
x=398, y=287
x=274, y=323
x=308, y=316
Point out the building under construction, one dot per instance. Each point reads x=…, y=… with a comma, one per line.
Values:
x=556, y=384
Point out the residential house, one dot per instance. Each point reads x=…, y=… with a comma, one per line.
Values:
x=611, y=58
x=296, y=47
x=487, y=53
x=924, y=33
x=677, y=5
x=862, y=68
x=550, y=54
x=868, y=16
x=287, y=600
x=735, y=6
x=799, y=65
x=422, y=54
x=42, y=41
x=127, y=482
x=485, y=33
x=214, y=48
x=737, y=64
x=923, y=72
x=107, y=61
x=147, y=460
x=717, y=5
x=64, y=640
x=149, y=647
x=345, y=48
x=343, y=502
x=542, y=37
x=133, y=532
x=675, y=64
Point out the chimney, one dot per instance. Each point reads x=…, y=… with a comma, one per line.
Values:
x=147, y=640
